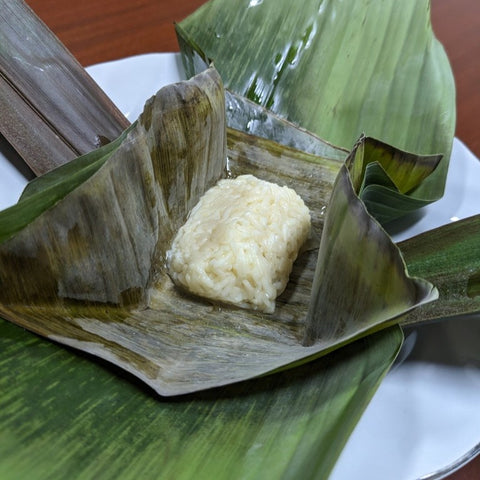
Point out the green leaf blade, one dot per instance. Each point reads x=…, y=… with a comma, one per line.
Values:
x=57, y=409
x=449, y=257
x=372, y=68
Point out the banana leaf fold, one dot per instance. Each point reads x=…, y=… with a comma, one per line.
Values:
x=89, y=270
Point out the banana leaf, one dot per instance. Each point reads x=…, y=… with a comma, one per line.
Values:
x=89, y=270
x=382, y=175
x=339, y=70
x=248, y=117
x=52, y=110
x=449, y=257
x=64, y=416
x=325, y=397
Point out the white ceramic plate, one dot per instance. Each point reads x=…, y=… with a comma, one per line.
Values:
x=424, y=420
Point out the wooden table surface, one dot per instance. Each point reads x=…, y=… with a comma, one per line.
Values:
x=101, y=30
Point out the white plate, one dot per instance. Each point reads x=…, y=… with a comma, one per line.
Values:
x=424, y=420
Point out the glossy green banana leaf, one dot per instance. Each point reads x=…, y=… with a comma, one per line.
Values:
x=89, y=271
x=449, y=257
x=340, y=70
x=64, y=416
x=249, y=117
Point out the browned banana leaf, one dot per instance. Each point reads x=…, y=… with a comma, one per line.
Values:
x=51, y=109
x=88, y=271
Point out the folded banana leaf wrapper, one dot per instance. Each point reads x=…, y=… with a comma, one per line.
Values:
x=89, y=269
x=82, y=260
x=62, y=279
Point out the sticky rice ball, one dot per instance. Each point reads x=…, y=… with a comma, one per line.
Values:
x=239, y=243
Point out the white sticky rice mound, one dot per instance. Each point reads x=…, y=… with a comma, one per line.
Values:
x=239, y=243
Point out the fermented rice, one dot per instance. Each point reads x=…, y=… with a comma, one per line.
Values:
x=239, y=243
